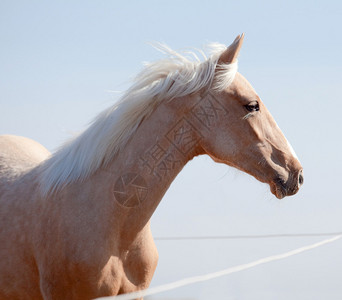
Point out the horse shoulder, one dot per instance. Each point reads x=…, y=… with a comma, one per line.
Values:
x=92, y=250
x=139, y=262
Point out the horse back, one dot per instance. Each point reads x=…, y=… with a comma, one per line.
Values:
x=17, y=155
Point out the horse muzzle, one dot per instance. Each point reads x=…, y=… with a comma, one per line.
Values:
x=281, y=189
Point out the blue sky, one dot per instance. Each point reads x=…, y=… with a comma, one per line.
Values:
x=61, y=63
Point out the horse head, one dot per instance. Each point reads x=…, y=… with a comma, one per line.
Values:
x=248, y=138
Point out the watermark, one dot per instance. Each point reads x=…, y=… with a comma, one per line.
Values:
x=130, y=190
x=168, y=153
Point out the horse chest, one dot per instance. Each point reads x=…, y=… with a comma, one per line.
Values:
x=138, y=266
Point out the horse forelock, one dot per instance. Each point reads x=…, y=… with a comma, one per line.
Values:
x=176, y=76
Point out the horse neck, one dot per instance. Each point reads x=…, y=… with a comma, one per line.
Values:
x=141, y=173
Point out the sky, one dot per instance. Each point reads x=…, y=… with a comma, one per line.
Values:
x=63, y=62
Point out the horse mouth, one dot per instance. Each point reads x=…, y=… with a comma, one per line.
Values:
x=278, y=189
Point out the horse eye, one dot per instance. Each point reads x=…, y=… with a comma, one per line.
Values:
x=254, y=106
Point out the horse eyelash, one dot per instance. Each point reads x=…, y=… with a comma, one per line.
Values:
x=247, y=116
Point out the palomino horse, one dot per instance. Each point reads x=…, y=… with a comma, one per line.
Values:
x=75, y=225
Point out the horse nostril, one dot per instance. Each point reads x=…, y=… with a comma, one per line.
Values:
x=300, y=178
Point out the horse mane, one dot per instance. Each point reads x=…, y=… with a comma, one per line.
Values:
x=175, y=76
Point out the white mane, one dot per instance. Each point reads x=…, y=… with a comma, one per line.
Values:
x=175, y=76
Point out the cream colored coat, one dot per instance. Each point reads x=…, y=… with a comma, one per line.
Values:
x=91, y=237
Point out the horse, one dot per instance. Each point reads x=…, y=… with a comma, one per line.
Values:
x=76, y=224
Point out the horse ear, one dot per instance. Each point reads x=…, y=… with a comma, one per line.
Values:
x=232, y=52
